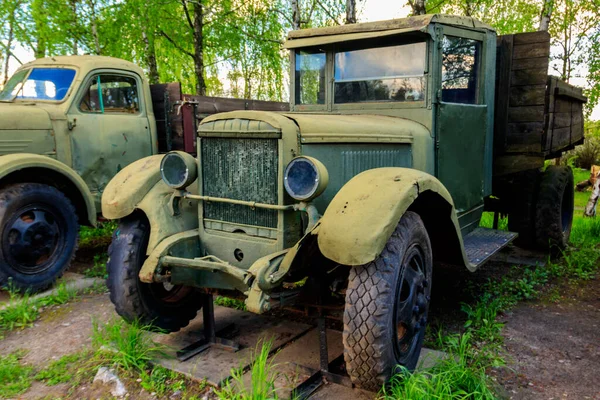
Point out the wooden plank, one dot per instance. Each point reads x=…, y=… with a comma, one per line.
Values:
x=503, y=76
x=213, y=105
x=527, y=63
x=532, y=37
x=512, y=163
x=524, y=132
x=532, y=50
x=562, y=105
x=561, y=138
x=526, y=114
x=527, y=95
x=530, y=76
x=562, y=120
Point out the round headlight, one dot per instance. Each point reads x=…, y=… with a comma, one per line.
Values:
x=178, y=169
x=305, y=178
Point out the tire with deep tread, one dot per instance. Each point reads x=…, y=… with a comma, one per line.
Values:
x=17, y=201
x=149, y=304
x=370, y=332
x=554, y=208
x=521, y=218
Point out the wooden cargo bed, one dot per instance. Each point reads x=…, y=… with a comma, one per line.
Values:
x=177, y=114
x=537, y=116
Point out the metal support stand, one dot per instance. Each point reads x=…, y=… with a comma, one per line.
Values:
x=324, y=375
x=210, y=336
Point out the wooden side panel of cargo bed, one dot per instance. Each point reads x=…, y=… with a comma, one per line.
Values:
x=521, y=77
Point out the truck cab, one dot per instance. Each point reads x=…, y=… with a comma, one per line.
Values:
x=394, y=146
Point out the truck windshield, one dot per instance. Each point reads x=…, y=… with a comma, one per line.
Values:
x=38, y=84
x=393, y=73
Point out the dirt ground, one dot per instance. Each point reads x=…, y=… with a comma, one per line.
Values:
x=554, y=347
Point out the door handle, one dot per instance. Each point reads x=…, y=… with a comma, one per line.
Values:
x=72, y=124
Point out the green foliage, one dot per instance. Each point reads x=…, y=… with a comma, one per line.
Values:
x=100, y=235
x=22, y=310
x=126, y=345
x=262, y=383
x=231, y=303
x=588, y=153
x=62, y=370
x=487, y=221
x=456, y=377
x=15, y=378
x=161, y=381
x=98, y=269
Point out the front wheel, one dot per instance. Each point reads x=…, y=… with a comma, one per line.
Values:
x=156, y=305
x=387, y=301
x=38, y=233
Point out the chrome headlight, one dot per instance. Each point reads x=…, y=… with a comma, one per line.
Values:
x=178, y=169
x=305, y=178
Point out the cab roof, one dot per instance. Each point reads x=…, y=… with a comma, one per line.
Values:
x=86, y=63
x=340, y=33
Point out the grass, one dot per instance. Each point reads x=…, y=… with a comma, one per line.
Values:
x=22, y=310
x=63, y=370
x=262, y=378
x=15, y=378
x=96, y=236
x=230, y=303
x=98, y=269
x=125, y=345
x=458, y=376
x=487, y=221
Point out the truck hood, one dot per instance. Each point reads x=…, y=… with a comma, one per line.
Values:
x=318, y=128
x=23, y=117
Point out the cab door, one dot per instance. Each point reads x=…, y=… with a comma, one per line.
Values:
x=109, y=127
x=461, y=127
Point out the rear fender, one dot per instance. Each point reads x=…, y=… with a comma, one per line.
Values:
x=25, y=167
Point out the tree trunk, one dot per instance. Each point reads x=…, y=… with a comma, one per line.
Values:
x=73, y=4
x=546, y=14
x=590, y=208
x=418, y=7
x=150, y=56
x=350, y=11
x=199, y=48
x=295, y=14
x=8, y=46
x=92, y=4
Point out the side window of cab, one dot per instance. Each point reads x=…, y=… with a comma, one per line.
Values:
x=111, y=94
x=461, y=59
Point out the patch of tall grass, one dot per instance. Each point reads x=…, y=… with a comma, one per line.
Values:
x=125, y=345
x=262, y=379
x=455, y=377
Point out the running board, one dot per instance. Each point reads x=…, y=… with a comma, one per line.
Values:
x=482, y=243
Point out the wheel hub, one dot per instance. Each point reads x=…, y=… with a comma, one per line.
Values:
x=30, y=239
x=411, y=309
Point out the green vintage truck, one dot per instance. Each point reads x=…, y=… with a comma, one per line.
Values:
x=401, y=133
x=67, y=126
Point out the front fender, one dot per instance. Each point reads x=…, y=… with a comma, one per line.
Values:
x=12, y=163
x=127, y=189
x=140, y=187
x=364, y=213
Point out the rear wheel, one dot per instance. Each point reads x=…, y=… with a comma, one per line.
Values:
x=159, y=305
x=387, y=302
x=38, y=235
x=554, y=208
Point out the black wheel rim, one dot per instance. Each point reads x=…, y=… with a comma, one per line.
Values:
x=412, y=303
x=33, y=238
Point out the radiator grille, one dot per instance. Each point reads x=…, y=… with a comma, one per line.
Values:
x=240, y=169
